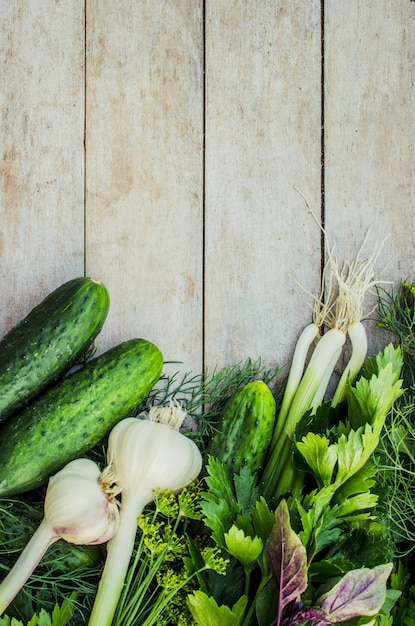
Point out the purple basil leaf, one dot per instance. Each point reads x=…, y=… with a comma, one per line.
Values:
x=360, y=592
x=287, y=560
x=316, y=616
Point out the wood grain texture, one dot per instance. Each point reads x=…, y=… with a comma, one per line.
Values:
x=41, y=139
x=263, y=77
x=370, y=135
x=144, y=121
x=202, y=239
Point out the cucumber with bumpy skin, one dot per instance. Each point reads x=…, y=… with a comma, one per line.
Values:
x=49, y=341
x=73, y=415
x=244, y=428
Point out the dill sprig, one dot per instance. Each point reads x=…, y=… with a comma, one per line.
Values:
x=395, y=457
x=203, y=395
x=395, y=461
x=159, y=577
x=396, y=310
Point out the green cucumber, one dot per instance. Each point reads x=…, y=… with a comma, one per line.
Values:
x=244, y=428
x=49, y=341
x=73, y=415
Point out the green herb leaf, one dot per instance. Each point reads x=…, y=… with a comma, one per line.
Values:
x=373, y=395
x=354, y=450
x=349, y=507
x=244, y=548
x=320, y=455
x=246, y=491
x=266, y=604
x=322, y=526
x=263, y=519
x=206, y=611
x=60, y=615
x=218, y=504
x=361, y=482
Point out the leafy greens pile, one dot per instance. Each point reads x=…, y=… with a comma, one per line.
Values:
x=335, y=548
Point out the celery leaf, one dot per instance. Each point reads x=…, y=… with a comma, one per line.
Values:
x=355, y=449
x=320, y=456
x=362, y=481
x=390, y=354
x=263, y=519
x=244, y=548
x=206, y=611
x=373, y=395
x=352, y=508
x=61, y=616
x=7, y=621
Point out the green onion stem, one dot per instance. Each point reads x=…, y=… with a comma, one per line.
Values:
x=302, y=347
x=119, y=551
x=321, y=391
x=320, y=368
x=358, y=338
x=321, y=365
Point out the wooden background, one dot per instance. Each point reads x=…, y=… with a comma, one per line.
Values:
x=157, y=145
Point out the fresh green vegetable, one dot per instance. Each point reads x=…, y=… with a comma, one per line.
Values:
x=146, y=455
x=67, y=567
x=359, y=592
x=274, y=559
x=204, y=395
x=244, y=428
x=247, y=559
x=340, y=459
x=75, y=414
x=79, y=508
x=49, y=341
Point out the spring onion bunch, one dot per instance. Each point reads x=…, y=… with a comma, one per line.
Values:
x=337, y=316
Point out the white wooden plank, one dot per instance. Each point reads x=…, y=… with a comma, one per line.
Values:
x=263, y=77
x=41, y=139
x=144, y=119
x=370, y=134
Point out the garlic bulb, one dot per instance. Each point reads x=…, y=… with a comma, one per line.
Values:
x=146, y=455
x=80, y=507
x=80, y=503
x=156, y=453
